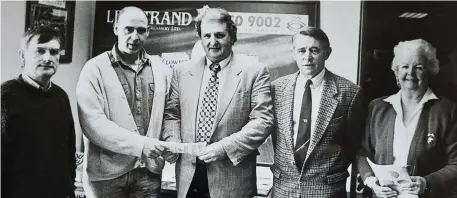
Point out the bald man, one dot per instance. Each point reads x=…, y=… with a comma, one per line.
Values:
x=121, y=96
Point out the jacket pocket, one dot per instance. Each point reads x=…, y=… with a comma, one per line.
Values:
x=337, y=177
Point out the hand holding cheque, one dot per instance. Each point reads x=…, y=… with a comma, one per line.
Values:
x=186, y=148
x=170, y=150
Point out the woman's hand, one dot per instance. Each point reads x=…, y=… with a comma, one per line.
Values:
x=416, y=187
x=380, y=191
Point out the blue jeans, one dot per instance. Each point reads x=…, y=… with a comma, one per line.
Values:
x=138, y=183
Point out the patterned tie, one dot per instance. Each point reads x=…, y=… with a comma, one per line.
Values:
x=208, y=106
x=304, y=128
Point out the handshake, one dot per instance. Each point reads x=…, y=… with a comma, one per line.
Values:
x=170, y=150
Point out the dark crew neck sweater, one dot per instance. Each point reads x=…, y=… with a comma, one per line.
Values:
x=38, y=141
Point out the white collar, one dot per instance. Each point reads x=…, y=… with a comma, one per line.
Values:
x=222, y=63
x=395, y=99
x=34, y=84
x=317, y=80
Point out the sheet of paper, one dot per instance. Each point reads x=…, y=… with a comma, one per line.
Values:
x=392, y=176
x=185, y=148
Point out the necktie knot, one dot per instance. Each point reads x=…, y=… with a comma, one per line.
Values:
x=215, y=67
x=308, y=83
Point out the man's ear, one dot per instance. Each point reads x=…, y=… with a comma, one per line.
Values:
x=328, y=52
x=115, y=28
x=22, y=57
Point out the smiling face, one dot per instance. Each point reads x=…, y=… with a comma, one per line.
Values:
x=132, y=31
x=216, y=40
x=412, y=72
x=41, y=59
x=310, y=55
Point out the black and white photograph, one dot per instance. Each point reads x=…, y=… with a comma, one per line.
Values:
x=228, y=99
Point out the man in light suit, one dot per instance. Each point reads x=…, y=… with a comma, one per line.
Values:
x=121, y=97
x=223, y=99
x=318, y=123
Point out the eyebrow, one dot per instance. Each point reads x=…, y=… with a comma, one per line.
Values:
x=47, y=47
x=136, y=27
x=312, y=47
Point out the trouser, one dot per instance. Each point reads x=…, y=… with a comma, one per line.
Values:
x=199, y=185
x=138, y=183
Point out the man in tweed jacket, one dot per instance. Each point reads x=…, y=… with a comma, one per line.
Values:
x=334, y=124
x=242, y=112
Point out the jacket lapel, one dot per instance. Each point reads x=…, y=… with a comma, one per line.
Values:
x=286, y=102
x=228, y=91
x=191, y=85
x=327, y=107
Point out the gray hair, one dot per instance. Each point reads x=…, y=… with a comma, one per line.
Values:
x=426, y=50
x=316, y=33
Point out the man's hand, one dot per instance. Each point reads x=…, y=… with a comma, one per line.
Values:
x=380, y=191
x=416, y=187
x=170, y=157
x=212, y=152
x=153, y=148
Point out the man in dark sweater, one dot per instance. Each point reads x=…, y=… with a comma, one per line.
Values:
x=38, y=134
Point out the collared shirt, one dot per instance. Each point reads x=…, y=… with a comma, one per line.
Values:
x=205, y=80
x=138, y=85
x=404, y=132
x=316, y=95
x=32, y=82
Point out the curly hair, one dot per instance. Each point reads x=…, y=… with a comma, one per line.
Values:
x=425, y=49
x=220, y=15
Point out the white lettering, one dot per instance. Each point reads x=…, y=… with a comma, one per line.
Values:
x=177, y=16
x=155, y=17
x=166, y=17
x=186, y=17
x=108, y=17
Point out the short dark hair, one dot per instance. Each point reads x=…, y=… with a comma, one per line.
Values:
x=316, y=33
x=220, y=15
x=45, y=34
x=130, y=8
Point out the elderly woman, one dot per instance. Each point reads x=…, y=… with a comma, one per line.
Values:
x=413, y=128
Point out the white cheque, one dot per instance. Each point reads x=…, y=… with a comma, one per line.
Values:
x=186, y=148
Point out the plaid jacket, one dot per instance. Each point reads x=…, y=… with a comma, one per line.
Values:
x=333, y=145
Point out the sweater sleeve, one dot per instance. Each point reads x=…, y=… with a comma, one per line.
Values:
x=5, y=135
x=444, y=177
x=71, y=143
x=94, y=123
